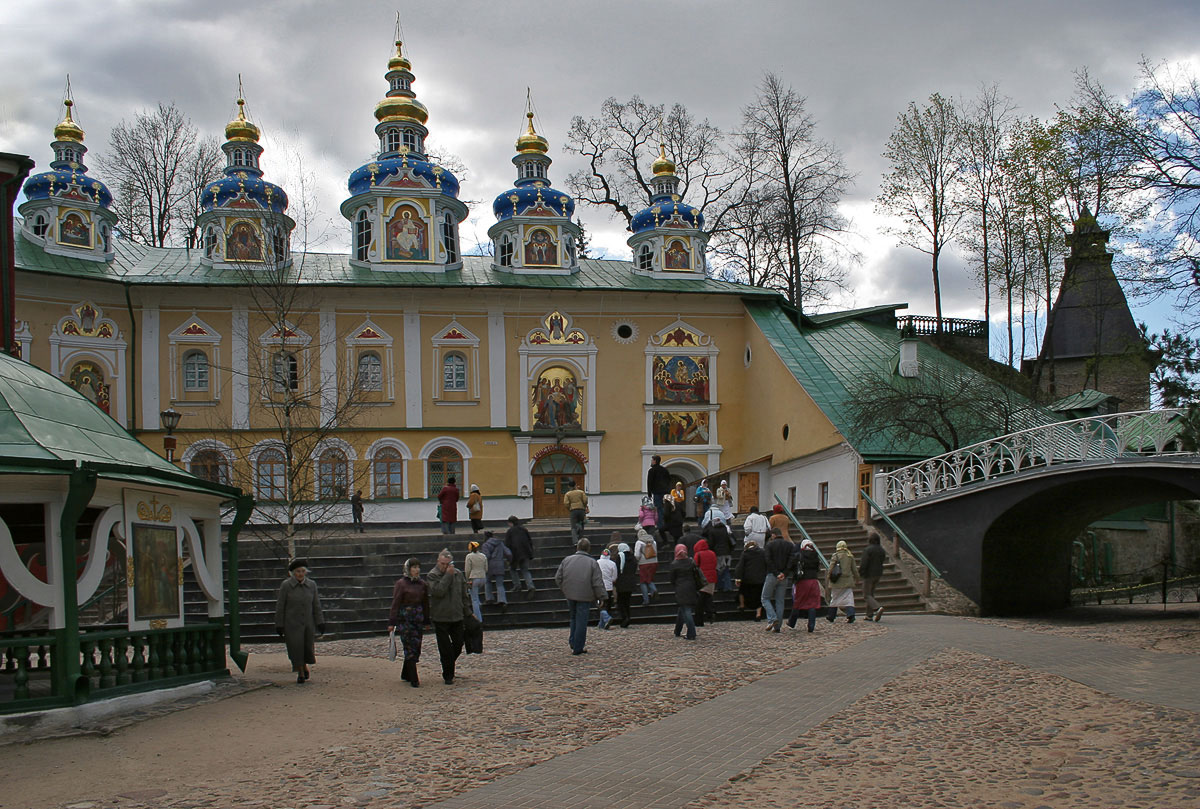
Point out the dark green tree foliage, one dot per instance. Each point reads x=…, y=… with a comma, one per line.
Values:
x=1176, y=380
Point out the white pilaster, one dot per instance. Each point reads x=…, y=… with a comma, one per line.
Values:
x=328, y=353
x=497, y=369
x=524, y=478
x=151, y=370
x=241, y=377
x=593, y=467
x=412, y=369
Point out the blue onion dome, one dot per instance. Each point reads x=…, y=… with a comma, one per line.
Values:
x=243, y=185
x=666, y=209
x=67, y=177
x=403, y=161
x=532, y=194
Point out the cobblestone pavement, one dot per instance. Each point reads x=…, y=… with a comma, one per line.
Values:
x=1169, y=628
x=916, y=711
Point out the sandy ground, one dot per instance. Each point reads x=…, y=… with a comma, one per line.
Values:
x=958, y=730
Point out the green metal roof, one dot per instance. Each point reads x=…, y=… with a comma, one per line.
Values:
x=138, y=264
x=1086, y=399
x=832, y=354
x=45, y=421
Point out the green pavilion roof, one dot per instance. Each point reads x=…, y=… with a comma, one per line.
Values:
x=138, y=264
x=47, y=426
x=831, y=354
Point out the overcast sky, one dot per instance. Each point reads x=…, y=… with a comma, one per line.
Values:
x=313, y=71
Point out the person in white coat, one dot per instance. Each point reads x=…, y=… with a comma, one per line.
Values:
x=608, y=573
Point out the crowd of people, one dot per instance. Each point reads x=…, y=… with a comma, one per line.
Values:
x=704, y=558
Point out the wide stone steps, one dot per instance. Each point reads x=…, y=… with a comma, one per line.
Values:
x=356, y=572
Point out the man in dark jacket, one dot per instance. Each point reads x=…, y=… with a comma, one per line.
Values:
x=750, y=573
x=775, y=586
x=658, y=483
x=520, y=543
x=449, y=604
x=690, y=538
x=870, y=569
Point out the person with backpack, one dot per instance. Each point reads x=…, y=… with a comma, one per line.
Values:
x=842, y=578
x=645, y=551
x=498, y=555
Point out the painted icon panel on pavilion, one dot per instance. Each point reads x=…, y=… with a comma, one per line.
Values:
x=680, y=380
x=557, y=400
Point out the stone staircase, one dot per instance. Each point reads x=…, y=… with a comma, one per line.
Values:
x=356, y=572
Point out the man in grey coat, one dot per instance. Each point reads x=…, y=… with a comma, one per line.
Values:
x=298, y=618
x=449, y=604
x=579, y=578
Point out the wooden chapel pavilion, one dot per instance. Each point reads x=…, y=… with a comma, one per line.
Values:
x=86, y=510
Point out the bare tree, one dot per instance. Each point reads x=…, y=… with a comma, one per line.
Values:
x=1157, y=138
x=924, y=187
x=796, y=180
x=620, y=143
x=160, y=167
x=951, y=405
x=986, y=123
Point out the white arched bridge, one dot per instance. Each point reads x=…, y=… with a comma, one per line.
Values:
x=997, y=518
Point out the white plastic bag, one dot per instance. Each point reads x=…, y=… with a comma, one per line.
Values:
x=392, y=644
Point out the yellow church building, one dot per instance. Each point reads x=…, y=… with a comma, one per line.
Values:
x=307, y=376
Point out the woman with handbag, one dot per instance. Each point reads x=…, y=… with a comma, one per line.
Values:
x=842, y=578
x=408, y=616
x=706, y=560
x=687, y=580
x=475, y=509
x=806, y=592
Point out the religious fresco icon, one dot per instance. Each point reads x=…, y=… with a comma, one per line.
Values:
x=75, y=230
x=680, y=428
x=155, y=572
x=678, y=256
x=557, y=400
x=244, y=243
x=88, y=379
x=680, y=380
x=407, y=235
x=556, y=331
x=540, y=249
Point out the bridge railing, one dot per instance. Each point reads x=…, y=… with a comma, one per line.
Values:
x=1096, y=438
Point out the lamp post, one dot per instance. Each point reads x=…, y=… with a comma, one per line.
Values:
x=169, y=419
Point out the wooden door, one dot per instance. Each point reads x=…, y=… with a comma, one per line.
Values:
x=548, y=491
x=747, y=494
x=866, y=480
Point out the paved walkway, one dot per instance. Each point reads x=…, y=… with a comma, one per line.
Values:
x=689, y=754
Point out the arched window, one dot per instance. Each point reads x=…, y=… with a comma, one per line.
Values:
x=448, y=239
x=270, y=475
x=279, y=243
x=210, y=465
x=444, y=463
x=391, y=140
x=389, y=473
x=454, y=371
x=195, y=371
x=239, y=159
x=210, y=242
x=410, y=141
x=570, y=240
x=333, y=478
x=40, y=225
x=285, y=372
x=362, y=235
x=529, y=170
x=645, y=258
x=507, y=249
x=370, y=371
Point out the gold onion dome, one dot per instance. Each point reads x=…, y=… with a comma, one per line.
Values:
x=239, y=128
x=401, y=108
x=531, y=141
x=663, y=165
x=399, y=62
x=68, y=129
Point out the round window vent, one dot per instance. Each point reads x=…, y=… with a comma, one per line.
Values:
x=623, y=331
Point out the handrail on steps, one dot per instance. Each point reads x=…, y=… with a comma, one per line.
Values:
x=796, y=522
x=902, y=536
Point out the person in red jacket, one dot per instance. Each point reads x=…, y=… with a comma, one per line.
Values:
x=706, y=560
x=448, y=505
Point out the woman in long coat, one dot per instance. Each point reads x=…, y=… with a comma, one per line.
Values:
x=841, y=590
x=684, y=575
x=409, y=613
x=298, y=618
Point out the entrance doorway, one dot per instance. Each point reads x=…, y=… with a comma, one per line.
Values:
x=747, y=491
x=553, y=475
x=686, y=473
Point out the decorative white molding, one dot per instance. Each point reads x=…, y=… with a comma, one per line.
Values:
x=240, y=355
x=412, y=369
